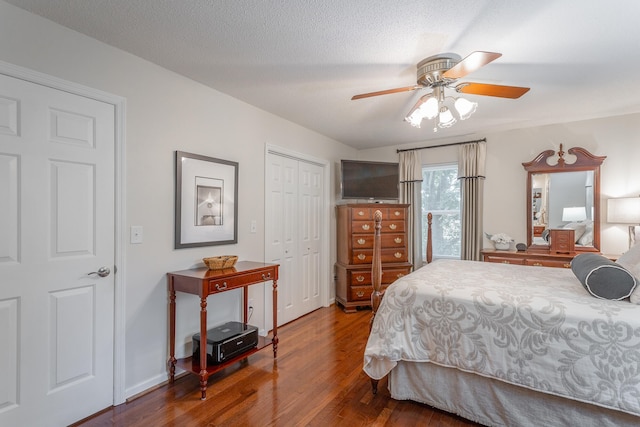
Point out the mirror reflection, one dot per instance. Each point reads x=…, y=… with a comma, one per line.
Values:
x=564, y=193
x=562, y=200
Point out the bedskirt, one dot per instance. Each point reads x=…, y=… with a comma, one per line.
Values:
x=495, y=403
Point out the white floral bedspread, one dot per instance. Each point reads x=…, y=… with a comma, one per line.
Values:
x=531, y=326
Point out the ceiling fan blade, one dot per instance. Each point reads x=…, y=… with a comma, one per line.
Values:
x=385, y=92
x=471, y=63
x=512, y=92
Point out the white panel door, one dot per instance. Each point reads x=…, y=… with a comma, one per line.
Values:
x=310, y=187
x=294, y=214
x=282, y=231
x=56, y=226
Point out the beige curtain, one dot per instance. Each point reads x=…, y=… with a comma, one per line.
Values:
x=471, y=173
x=410, y=186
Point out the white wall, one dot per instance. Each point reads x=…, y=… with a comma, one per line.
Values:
x=166, y=112
x=505, y=201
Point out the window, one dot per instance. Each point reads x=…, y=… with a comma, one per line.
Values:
x=441, y=197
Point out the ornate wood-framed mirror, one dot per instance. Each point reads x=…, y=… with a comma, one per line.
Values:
x=564, y=195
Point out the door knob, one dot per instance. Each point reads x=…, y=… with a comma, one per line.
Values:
x=102, y=272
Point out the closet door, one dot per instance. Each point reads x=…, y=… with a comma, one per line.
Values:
x=310, y=236
x=293, y=235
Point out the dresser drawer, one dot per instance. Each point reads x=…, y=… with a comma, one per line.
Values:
x=367, y=227
x=389, y=275
x=365, y=256
x=549, y=263
x=390, y=240
x=504, y=260
x=364, y=213
x=360, y=293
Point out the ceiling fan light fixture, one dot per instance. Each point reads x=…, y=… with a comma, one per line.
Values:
x=429, y=108
x=414, y=119
x=446, y=119
x=465, y=108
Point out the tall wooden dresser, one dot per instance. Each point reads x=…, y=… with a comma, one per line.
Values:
x=355, y=250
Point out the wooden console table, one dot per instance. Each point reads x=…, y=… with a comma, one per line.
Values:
x=205, y=282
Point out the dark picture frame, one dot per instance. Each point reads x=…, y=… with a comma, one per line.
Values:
x=206, y=201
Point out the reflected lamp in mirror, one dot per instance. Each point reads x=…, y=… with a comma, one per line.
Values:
x=574, y=214
x=625, y=210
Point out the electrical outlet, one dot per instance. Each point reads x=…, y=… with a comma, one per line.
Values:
x=253, y=227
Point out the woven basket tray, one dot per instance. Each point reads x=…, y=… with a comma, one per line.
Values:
x=220, y=262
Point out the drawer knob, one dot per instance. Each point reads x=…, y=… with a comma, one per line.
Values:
x=361, y=213
x=400, y=275
x=365, y=226
x=361, y=257
x=398, y=255
x=397, y=213
x=393, y=226
x=397, y=240
x=266, y=276
x=537, y=264
x=361, y=241
x=567, y=265
x=221, y=288
x=360, y=294
x=360, y=278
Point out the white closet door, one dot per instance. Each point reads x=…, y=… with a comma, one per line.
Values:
x=293, y=235
x=57, y=225
x=310, y=238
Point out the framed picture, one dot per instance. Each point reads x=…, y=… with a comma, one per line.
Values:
x=206, y=201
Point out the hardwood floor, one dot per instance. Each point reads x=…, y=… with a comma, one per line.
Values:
x=317, y=380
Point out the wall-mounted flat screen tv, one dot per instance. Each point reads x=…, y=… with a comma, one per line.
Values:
x=369, y=180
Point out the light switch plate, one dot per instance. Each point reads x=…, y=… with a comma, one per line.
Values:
x=136, y=234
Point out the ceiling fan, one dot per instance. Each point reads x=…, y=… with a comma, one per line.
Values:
x=443, y=71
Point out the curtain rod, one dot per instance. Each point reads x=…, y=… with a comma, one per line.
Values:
x=441, y=145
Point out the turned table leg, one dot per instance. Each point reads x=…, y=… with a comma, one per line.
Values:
x=203, y=348
x=172, y=331
x=275, y=318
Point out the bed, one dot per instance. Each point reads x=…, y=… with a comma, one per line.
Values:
x=506, y=344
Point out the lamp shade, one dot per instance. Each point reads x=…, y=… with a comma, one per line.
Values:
x=625, y=210
x=574, y=214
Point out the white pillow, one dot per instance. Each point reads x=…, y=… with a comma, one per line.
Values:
x=631, y=261
x=579, y=228
x=586, y=239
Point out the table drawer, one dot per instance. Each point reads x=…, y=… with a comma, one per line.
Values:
x=224, y=284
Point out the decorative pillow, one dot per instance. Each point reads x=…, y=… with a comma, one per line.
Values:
x=579, y=229
x=602, y=277
x=631, y=261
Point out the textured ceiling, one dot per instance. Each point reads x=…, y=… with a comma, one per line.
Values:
x=303, y=59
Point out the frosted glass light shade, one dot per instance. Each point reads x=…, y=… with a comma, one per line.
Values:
x=446, y=118
x=465, y=108
x=430, y=108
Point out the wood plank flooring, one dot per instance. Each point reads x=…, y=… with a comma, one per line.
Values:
x=317, y=380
